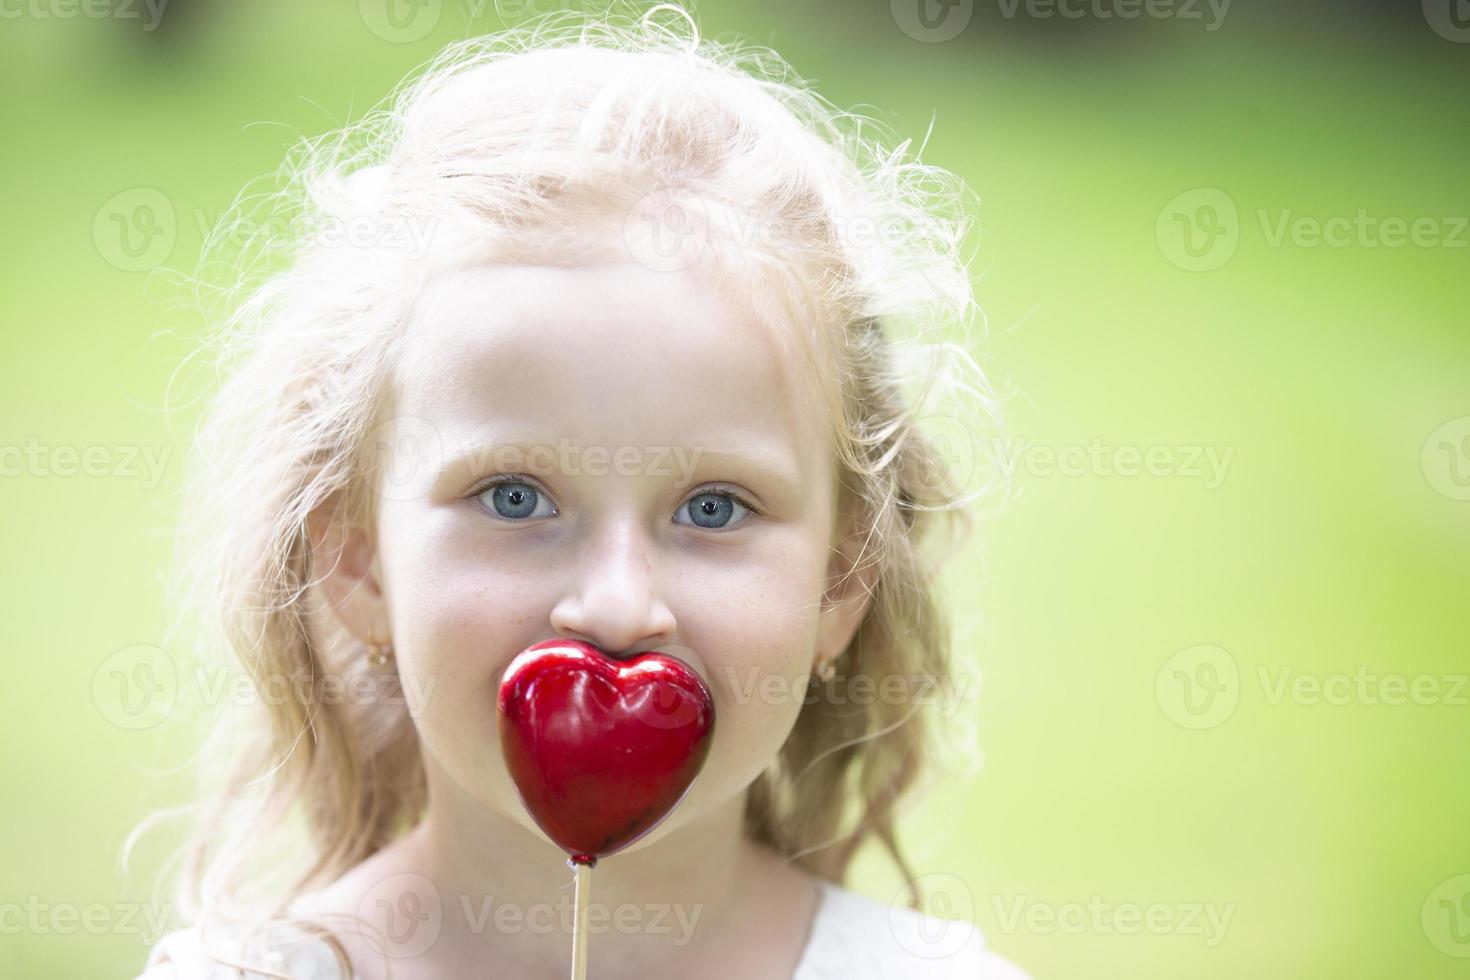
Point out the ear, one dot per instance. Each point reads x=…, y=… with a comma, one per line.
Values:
x=344, y=567
x=852, y=577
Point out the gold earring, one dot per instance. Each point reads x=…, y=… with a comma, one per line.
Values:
x=379, y=654
x=826, y=670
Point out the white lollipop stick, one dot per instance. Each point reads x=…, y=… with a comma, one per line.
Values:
x=579, y=927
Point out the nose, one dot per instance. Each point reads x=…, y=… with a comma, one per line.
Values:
x=613, y=599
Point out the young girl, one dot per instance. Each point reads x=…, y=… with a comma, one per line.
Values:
x=592, y=336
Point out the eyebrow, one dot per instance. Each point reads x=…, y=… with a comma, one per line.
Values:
x=543, y=458
x=771, y=468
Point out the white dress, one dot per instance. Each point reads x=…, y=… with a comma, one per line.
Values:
x=853, y=938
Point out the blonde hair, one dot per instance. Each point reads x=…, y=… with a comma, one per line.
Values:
x=536, y=139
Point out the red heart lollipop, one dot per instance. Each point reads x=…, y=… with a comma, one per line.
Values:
x=600, y=749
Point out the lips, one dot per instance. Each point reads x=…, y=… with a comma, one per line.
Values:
x=601, y=749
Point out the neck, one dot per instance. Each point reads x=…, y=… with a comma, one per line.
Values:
x=507, y=895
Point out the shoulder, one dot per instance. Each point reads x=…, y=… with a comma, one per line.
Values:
x=285, y=948
x=186, y=954
x=857, y=938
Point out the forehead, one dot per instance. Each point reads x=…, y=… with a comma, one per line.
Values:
x=609, y=355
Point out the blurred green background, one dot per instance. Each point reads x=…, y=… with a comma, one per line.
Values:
x=1223, y=715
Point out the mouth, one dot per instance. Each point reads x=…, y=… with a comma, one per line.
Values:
x=685, y=655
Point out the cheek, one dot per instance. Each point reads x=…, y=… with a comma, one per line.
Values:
x=454, y=607
x=756, y=624
x=457, y=619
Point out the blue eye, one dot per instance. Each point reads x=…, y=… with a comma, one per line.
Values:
x=712, y=508
x=515, y=500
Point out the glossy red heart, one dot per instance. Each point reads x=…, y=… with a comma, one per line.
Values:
x=601, y=749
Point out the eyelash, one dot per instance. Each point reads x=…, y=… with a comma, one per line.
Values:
x=717, y=490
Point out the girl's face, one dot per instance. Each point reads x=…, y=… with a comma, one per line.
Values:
x=664, y=484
